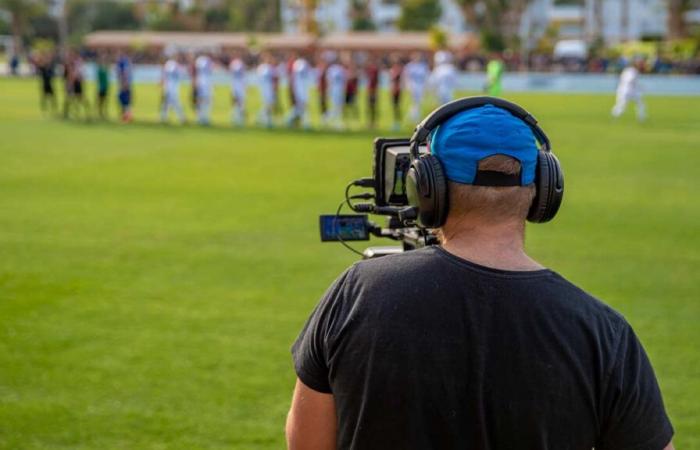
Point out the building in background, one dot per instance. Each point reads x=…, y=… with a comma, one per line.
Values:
x=613, y=21
x=335, y=15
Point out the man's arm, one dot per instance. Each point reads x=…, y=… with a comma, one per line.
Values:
x=669, y=446
x=311, y=423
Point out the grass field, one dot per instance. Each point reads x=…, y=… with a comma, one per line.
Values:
x=152, y=278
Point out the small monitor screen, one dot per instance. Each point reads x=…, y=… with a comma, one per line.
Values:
x=396, y=164
x=344, y=227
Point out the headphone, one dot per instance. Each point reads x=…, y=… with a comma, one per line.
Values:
x=426, y=184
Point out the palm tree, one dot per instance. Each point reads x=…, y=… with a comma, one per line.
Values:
x=676, y=22
x=496, y=18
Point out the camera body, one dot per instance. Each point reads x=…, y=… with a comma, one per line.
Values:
x=391, y=162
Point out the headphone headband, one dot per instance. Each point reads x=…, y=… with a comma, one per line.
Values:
x=444, y=112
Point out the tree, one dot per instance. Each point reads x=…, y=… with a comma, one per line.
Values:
x=361, y=16
x=253, y=15
x=497, y=21
x=419, y=15
x=20, y=12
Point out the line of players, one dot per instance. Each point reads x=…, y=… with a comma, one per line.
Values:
x=336, y=79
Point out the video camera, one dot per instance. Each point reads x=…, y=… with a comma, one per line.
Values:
x=391, y=163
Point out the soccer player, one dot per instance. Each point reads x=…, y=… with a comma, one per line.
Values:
x=74, y=69
x=321, y=70
x=395, y=82
x=494, y=76
x=170, y=86
x=237, y=70
x=204, y=68
x=336, y=78
x=416, y=74
x=301, y=78
x=444, y=77
x=372, y=77
x=628, y=89
x=351, y=87
x=266, y=82
x=124, y=79
x=102, y=78
x=46, y=70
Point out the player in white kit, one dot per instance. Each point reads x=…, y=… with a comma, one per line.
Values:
x=628, y=90
x=302, y=77
x=415, y=75
x=444, y=77
x=335, y=82
x=173, y=72
x=266, y=81
x=237, y=70
x=204, y=68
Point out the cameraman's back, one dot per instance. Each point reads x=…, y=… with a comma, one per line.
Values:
x=429, y=351
x=473, y=344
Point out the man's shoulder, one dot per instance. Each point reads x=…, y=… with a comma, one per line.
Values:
x=403, y=264
x=546, y=289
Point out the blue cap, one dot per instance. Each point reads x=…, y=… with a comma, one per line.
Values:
x=470, y=136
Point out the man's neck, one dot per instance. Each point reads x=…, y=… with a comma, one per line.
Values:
x=490, y=244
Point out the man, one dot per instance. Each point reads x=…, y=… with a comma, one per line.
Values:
x=124, y=78
x=472, y=344
x=494, y=75
x=352, y=84
x=73, y=73
x=102, y=78
x=444, y=77
x=416, y=74
x=204, y=67
x=372, y=76
x=46, y=70
x=237, y=69
x=321, y=69
x=170, y=90
x=266, y=81
x=395, y=82
x=628, y=89
x=301, y=79
x=336, y=77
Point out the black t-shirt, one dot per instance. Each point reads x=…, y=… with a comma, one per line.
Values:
x=424, y=350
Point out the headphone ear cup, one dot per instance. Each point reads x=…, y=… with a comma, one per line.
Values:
x=426, y=189
x=549, y=188
x=440, y=200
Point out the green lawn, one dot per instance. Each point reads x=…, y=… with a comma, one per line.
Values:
x=152, y=278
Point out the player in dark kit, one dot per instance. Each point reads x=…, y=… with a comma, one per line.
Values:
x=471, y=344
x=372, y=74
x=46, y=71
x=395, y=85
x=351, y=87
